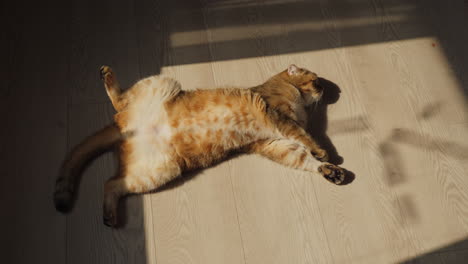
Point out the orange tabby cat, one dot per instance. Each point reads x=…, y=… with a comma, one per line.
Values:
x=163, y=131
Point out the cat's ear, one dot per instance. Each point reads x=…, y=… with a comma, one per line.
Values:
x=293, y=70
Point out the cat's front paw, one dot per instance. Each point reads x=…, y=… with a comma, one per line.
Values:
x=321, y=155
x=332, y=173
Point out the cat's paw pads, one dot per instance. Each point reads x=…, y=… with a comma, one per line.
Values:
x=109, y=219
x=106, y=74
x=332, y=173
x=321, y=155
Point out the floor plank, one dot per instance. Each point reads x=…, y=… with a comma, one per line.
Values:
x=33, y=107
x=194, y=221
x=103, y=33
x=29, y=154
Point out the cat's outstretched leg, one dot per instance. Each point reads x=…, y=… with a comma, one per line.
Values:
x=112, y=87
x=139, y=180
x=295, y=155
x=292, y=130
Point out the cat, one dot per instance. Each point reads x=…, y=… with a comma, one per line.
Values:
x=163, y=131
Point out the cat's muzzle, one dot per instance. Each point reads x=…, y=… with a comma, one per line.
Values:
x=317, y=85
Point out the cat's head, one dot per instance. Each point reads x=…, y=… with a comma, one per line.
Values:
x=306, y=82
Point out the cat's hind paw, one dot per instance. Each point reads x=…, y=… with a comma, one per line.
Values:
x=107, y=75
x=332, y=173
x=109, y=219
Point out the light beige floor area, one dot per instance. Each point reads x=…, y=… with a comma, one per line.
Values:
x=400, y=125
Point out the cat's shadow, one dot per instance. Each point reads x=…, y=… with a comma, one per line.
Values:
x=318, y=124
x=318, y=119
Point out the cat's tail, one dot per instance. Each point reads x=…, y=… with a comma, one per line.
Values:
x=77, y=159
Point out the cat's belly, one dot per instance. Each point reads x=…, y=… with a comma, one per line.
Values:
x=201, y=139
x=193, y=143
x=199, y=128
x=150, y=145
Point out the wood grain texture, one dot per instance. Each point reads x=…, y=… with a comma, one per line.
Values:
x=34, y=122
x=28, y=177
x=39, y=45
x=103, y=33
x=410, y=84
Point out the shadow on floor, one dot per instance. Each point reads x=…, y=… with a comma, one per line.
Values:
x=446, y=255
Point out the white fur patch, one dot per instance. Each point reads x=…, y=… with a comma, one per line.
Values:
x=149, y=121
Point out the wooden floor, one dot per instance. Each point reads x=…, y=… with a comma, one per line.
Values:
x=400, y=125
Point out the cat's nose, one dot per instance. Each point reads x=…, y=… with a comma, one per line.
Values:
x=316, y=83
